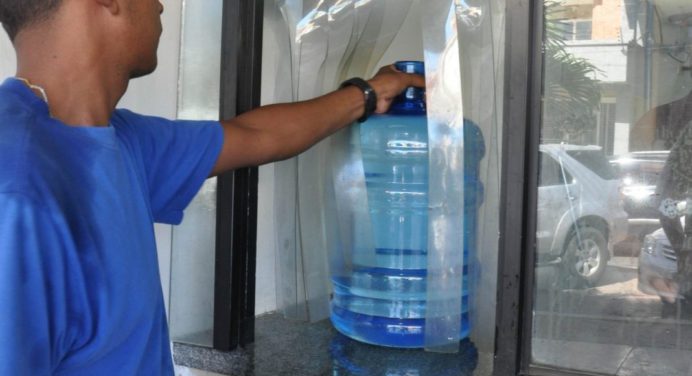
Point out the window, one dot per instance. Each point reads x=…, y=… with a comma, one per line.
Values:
x=607, y=285
x=551, y=172
x=595, y=161
x=576, y=29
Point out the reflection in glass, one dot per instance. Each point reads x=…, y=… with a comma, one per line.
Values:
x=351, y=358
x=192, y=264
x=613, y=256
x=310, y=47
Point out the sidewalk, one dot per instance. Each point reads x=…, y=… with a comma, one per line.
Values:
x=611, y=359
x=611, y=329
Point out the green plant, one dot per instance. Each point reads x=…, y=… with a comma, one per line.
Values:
x=571, y=94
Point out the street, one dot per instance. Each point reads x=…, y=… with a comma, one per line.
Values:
x=611, y=328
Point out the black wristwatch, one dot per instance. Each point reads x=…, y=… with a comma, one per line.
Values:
x=368, y=94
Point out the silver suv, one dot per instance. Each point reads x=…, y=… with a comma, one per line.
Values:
x=580, y=210
x=656, y=260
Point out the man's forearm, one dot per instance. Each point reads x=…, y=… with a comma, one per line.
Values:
x=284, y=130
x=280, y=131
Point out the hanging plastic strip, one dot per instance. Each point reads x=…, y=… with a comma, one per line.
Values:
x=327, y=41
x=353, y=202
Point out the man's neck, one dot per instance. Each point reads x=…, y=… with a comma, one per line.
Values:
x=81, y=87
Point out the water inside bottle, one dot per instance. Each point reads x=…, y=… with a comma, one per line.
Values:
x=383, y=299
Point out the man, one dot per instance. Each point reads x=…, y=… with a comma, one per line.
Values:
x=81, y=183
x=658, y=128
x=674, y=190
x=667, y=127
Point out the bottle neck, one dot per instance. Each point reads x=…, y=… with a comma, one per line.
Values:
x=410, y=102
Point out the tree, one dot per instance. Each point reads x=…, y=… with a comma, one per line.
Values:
x=572, y=94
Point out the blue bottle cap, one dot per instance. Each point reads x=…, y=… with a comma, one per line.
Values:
x=412, y=100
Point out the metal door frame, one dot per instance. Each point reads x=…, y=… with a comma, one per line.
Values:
x=236, y=211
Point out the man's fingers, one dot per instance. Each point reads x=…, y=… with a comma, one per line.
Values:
x=388, y=69
x=417, y=80
x=389, y=82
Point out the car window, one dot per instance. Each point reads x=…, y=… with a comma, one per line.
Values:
x=595, y=161
x=641, y=169
x=551, y=173
x=647, y=172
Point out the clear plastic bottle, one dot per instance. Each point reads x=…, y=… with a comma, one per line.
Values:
x=382, y=300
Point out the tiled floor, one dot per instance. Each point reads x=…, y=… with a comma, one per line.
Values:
x=288, y=348
x=609, y=359
x=610, y=329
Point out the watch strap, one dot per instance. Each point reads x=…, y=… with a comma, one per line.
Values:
x=368, y=94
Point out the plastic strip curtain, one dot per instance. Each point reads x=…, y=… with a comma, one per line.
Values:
x=446, y=177
x=327, y=41
x=463, y=54
x=481, y=26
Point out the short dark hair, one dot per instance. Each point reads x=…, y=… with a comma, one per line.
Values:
x=17, y=14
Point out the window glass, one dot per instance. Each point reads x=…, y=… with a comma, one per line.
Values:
x=191, y=314
x=551, y=172
x=582, y=30
x=595, y=161
x=575, y=29
x=326, y=215
x=613, y=277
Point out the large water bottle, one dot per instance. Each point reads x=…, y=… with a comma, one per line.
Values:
x=382, y=299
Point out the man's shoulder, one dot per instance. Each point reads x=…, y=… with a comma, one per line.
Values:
x=11, y=100
x=19, y=146
x=133, y=126
x=147, y=130
x=16, y=123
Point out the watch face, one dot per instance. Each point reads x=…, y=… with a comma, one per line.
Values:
x=368, y=94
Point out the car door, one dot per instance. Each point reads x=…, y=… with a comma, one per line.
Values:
x=553, y=203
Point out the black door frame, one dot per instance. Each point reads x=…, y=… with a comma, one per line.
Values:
x=236, y=208
x=516, y=198
x=519, y=190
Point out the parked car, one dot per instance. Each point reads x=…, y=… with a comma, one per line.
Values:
x=580, y=210
x=657, y=259
x=640, y=172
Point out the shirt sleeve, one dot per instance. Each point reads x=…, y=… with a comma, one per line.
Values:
x=177, y=157
x=33, y=298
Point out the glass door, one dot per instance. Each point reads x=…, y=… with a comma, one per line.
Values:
x=320, y=202
x=193, y=242
x=612, y=281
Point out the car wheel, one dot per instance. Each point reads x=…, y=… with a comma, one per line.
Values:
x=586, y=262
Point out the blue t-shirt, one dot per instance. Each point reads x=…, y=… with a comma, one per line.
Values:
x=80, y=292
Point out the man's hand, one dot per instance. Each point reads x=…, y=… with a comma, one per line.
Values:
x=389, y=82
x=281, y=131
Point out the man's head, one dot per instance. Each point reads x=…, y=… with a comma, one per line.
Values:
x=124, y=33
x=17, y=14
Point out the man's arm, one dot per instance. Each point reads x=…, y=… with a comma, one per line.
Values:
x=34, y=300
x=281, y=131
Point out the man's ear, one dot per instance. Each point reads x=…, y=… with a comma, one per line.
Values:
x=113, y=6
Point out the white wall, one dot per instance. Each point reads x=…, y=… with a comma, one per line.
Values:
x=7, y=57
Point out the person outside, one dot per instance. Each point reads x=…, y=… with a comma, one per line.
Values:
x=674, y=193
x=82, y=183
x=668, y=127
x=658, y=128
